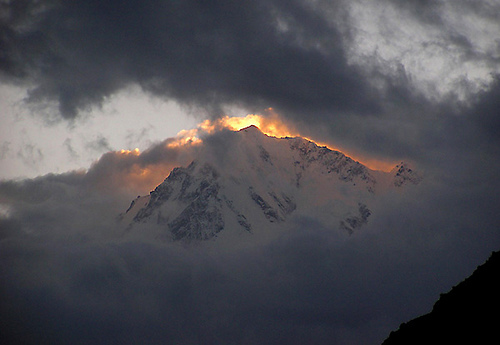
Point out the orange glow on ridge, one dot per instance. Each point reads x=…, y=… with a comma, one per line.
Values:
x=273, y=126
x=135, y=152
x=270, y=125
x=186, y=137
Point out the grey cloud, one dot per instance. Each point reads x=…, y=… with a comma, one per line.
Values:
x=308, y=286
x=5, y=149
x=425, y=10
x=142, y=134
x=99, y=144
x=293, y=56
x=69, y=148
x=29, y=154
x=486, y=110
x=80, y=53
x=71, y=276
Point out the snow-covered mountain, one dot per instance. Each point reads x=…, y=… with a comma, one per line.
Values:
x=250, y=184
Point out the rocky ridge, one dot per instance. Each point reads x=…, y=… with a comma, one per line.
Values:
x=260, y=182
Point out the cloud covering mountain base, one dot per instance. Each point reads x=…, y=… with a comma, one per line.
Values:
x=416, y=81
x=70, y=273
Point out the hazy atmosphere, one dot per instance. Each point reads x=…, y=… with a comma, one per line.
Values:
x=100, y=100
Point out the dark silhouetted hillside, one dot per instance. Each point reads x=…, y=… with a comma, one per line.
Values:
x=469, y=313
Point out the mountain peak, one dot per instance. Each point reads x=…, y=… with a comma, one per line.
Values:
x=256, y=185
x=250, y=128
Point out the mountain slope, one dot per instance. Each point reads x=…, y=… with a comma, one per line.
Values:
x=246, y=181
x=466, y=314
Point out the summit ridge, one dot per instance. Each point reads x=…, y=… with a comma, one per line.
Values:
x=254, y=183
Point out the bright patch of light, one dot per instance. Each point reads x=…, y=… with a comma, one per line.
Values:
x=271, y=125
x=135, y=152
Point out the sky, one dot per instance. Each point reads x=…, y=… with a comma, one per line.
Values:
x=384, y=81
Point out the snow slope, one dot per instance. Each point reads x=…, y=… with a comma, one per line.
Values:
x=248, y=185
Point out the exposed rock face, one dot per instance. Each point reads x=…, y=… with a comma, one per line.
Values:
x=404, y=174
x=198, y=197
x=261, y=182
x=355, y=222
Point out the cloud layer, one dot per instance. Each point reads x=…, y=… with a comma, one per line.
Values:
x=72, y=274
x=295, y=55
x=384, y=78
x=417, y=81
x=206, y=54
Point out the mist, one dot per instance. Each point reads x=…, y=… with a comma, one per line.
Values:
x=72, y=273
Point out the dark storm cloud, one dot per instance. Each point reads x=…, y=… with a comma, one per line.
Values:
x=309, y=286
x=486, y=111
x=71, y=274
x=60, y=206
x=304, y=59
x=113, y=174
x=208, y=54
